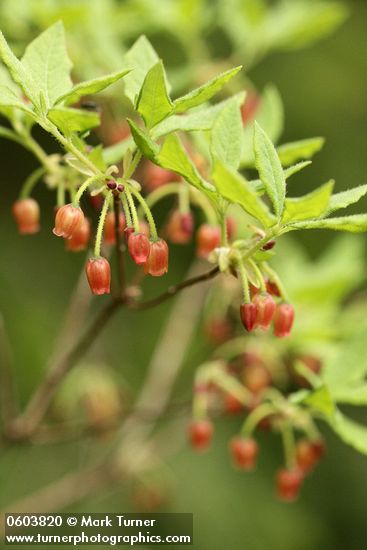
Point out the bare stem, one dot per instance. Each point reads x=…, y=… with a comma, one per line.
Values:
x=173, y=290
x=120, y=247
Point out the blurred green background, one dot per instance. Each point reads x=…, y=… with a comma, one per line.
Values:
x=324, y=89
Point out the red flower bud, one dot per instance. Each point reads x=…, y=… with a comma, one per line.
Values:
x=232, y=405
x=109, y=236
x=200, y=434
x=272, y=288
x=80, y=238
x=308, y=454
x=96, y=201
x=99, y=275
x=207, y=239
x=155, y=176
x=157, y=262
x=248, y=316
x=68, y=219
x=283, y=320
x=244, y=452
x=250, y=106
x=231, y=227
x=27, y=214
x=179, y=227
x=318, y=447
x=187, y=223
x=139, y=247
x=265, y=310
x=269, y=245
x=288, y=484
x=218, y=330
x=128, y=231
x=256, y=378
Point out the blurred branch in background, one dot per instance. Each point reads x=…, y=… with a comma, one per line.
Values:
x=134, y=442
x=8, y=391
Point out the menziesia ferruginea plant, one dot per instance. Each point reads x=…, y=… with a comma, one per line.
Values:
x=209, y=184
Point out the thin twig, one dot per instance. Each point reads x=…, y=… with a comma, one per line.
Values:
x=120, y=247
x=25, y=425
x=175, y=289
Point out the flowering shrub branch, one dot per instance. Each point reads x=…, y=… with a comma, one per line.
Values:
x=206, y=176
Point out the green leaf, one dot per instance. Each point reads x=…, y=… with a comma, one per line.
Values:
x=115, y=153
x=289, y=153
x=270, y=170
x=146, y=145
x=10, y=99
x=154, y=103
x=354, y=224
x=73, y=120
x=236, y=189
x=96, y=156
x=351, y=395
x=345, y=198
x=199, y=119
x=46, y=61
x=204, y=92
x=312, y=205
x=288, y=172
x=18, y=72
x=90, y=87
x=226, y=135
x=320, y=400
x=173, y=156
x=349, y=431
x=297, y=24
x=349, y=366
x=141, y=57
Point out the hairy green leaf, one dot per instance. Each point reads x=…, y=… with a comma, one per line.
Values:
x=146, y=145
x=90, y=87
x=9, y=98
x=174, y=157
x=18, y=72
x=115, y=153
x=345, y=198
x=96, y=156
x=226, y=135
x=312, y=205
x=288, y=172
x=154, y=103
x=270, y=170
x=236, y=189
x=46, y=61
x=73, y=120
x=320, y=400
x=141, y=57
x=196, y=120
x=354, y=224
x=351, y=395
x=204, y=92
x=289, y=153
